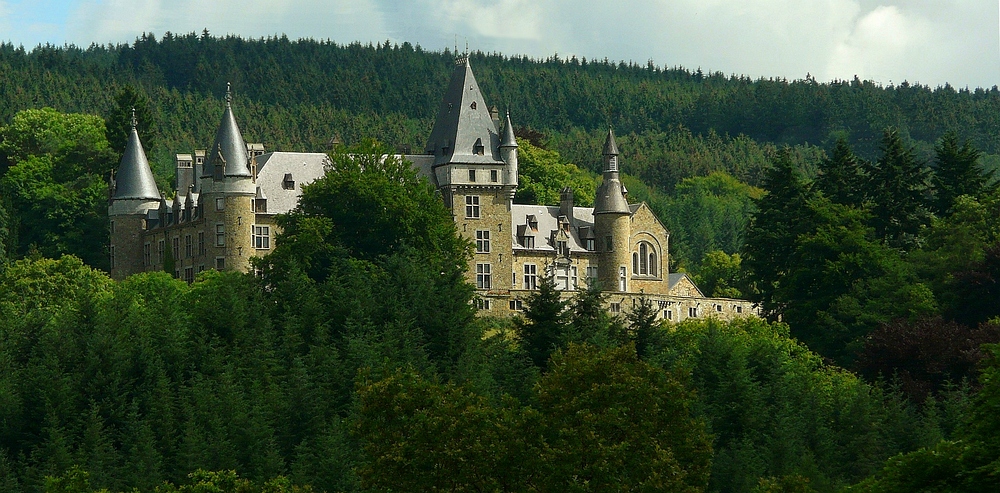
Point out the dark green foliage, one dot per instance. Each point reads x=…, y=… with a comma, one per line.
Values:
x=542, y=174
x=643, y=327
x=842, y=176
x=782, y=215
x=543, y=327
x=958, y=172
x=897, y=189
x=775, y=409
x=119, y=120
x=605, y=421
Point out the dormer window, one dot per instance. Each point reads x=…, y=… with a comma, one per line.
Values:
x=473, y=105
x=532, y=223
x=562, y=248
x=288, y=183
x=528, y=242
x=478, y=149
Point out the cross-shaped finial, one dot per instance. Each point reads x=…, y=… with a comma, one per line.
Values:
x=229, y=94
x=134, y=122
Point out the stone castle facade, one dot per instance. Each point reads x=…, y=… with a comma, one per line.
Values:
x=227, y=197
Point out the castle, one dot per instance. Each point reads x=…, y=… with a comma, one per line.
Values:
x=226, y=199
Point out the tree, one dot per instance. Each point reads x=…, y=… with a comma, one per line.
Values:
x=782, y=215
x=720, y=274
x=56, y=183
x=842, y=176
x=643, y=327
x=542, y=174
x=958, y=172
x=119, y=120
x=543, y=327
x=898, y=193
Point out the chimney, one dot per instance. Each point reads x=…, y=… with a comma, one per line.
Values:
x=495, y=116
x=566, y=204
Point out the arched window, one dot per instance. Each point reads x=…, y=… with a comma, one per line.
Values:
x=644, y=260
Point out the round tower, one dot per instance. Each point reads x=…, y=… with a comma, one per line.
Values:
x=227, y=194
x=611, y=224
x=133, y=194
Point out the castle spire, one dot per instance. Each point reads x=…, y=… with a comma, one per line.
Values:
x=508, y=133
x=611, y=195
x=134, y=179
x=229, y=151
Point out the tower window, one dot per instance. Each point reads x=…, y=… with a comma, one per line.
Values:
x=609, y=244
x=483, y=241
x=484, y=277
x=220, y=204
x=621, y=279
x=112, y=256
x=472, y=206
x=261, y=237
x=220, y=235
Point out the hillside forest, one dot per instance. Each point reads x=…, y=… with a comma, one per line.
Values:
x=861, y=218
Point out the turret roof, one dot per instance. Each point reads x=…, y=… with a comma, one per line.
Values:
x=463, y=123
x=508, y=134
x=134, y=179
x=610, y=146
x=229, y=149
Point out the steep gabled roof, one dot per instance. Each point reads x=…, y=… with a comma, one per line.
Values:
x=229, y=149
x=463, y=123
x=134, y=179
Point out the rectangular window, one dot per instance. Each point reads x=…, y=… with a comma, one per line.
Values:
x=575, y=278
x=609, y=244
x=220, y=263
x=261, y=237
x=112, y=256
x=188, y=246
x=739, y=309
x=112, y=227
x=562, y=248
x=220, y=235
x=484, y=277
x=482, y=303
x=692, y=311
x=668, y=314
x=616, y=308
x=472, y=206
x=220, y=204
x=482, y=241
x=516, y=305
x=530, y=276
x=201, y=243
x=472, y=176
x=621, y=279
x=176, y=245
x=146, y=259
x=589, y=244
x=494, y=176
x=528, y=242
x=718, y=308
x=201, y=268
x=189, y=274
x=159, y=251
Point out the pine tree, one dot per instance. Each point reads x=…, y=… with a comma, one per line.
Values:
x=543, y=327
x=897, y=190
x=957, y=173
x=782, y=215
x=841, y=176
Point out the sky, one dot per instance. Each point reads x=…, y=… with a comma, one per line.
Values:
x=931, y=42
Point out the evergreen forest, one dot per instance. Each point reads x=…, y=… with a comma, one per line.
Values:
x=861, y=218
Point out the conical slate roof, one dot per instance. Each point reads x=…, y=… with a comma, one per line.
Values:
x=463, y=123
x=611, y=194
x=610, y=146
x=134, y=179
x=508, y=134
x=229, y=149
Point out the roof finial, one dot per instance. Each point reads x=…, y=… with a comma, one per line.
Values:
x=466, y=46
x=134, y=122
x=229, y=95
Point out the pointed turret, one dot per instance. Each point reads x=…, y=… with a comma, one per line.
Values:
x=229, y=151
x=508, y=134
x=464, y=132
x=508, y=151
x=611, y=195
x=134, y=179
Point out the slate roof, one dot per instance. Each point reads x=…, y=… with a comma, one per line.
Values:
x=508, y=134
x=463, y=122
x=304, y=167
x=229, y=149
x=547, y=217
x=134, y=179
x=611, y=194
